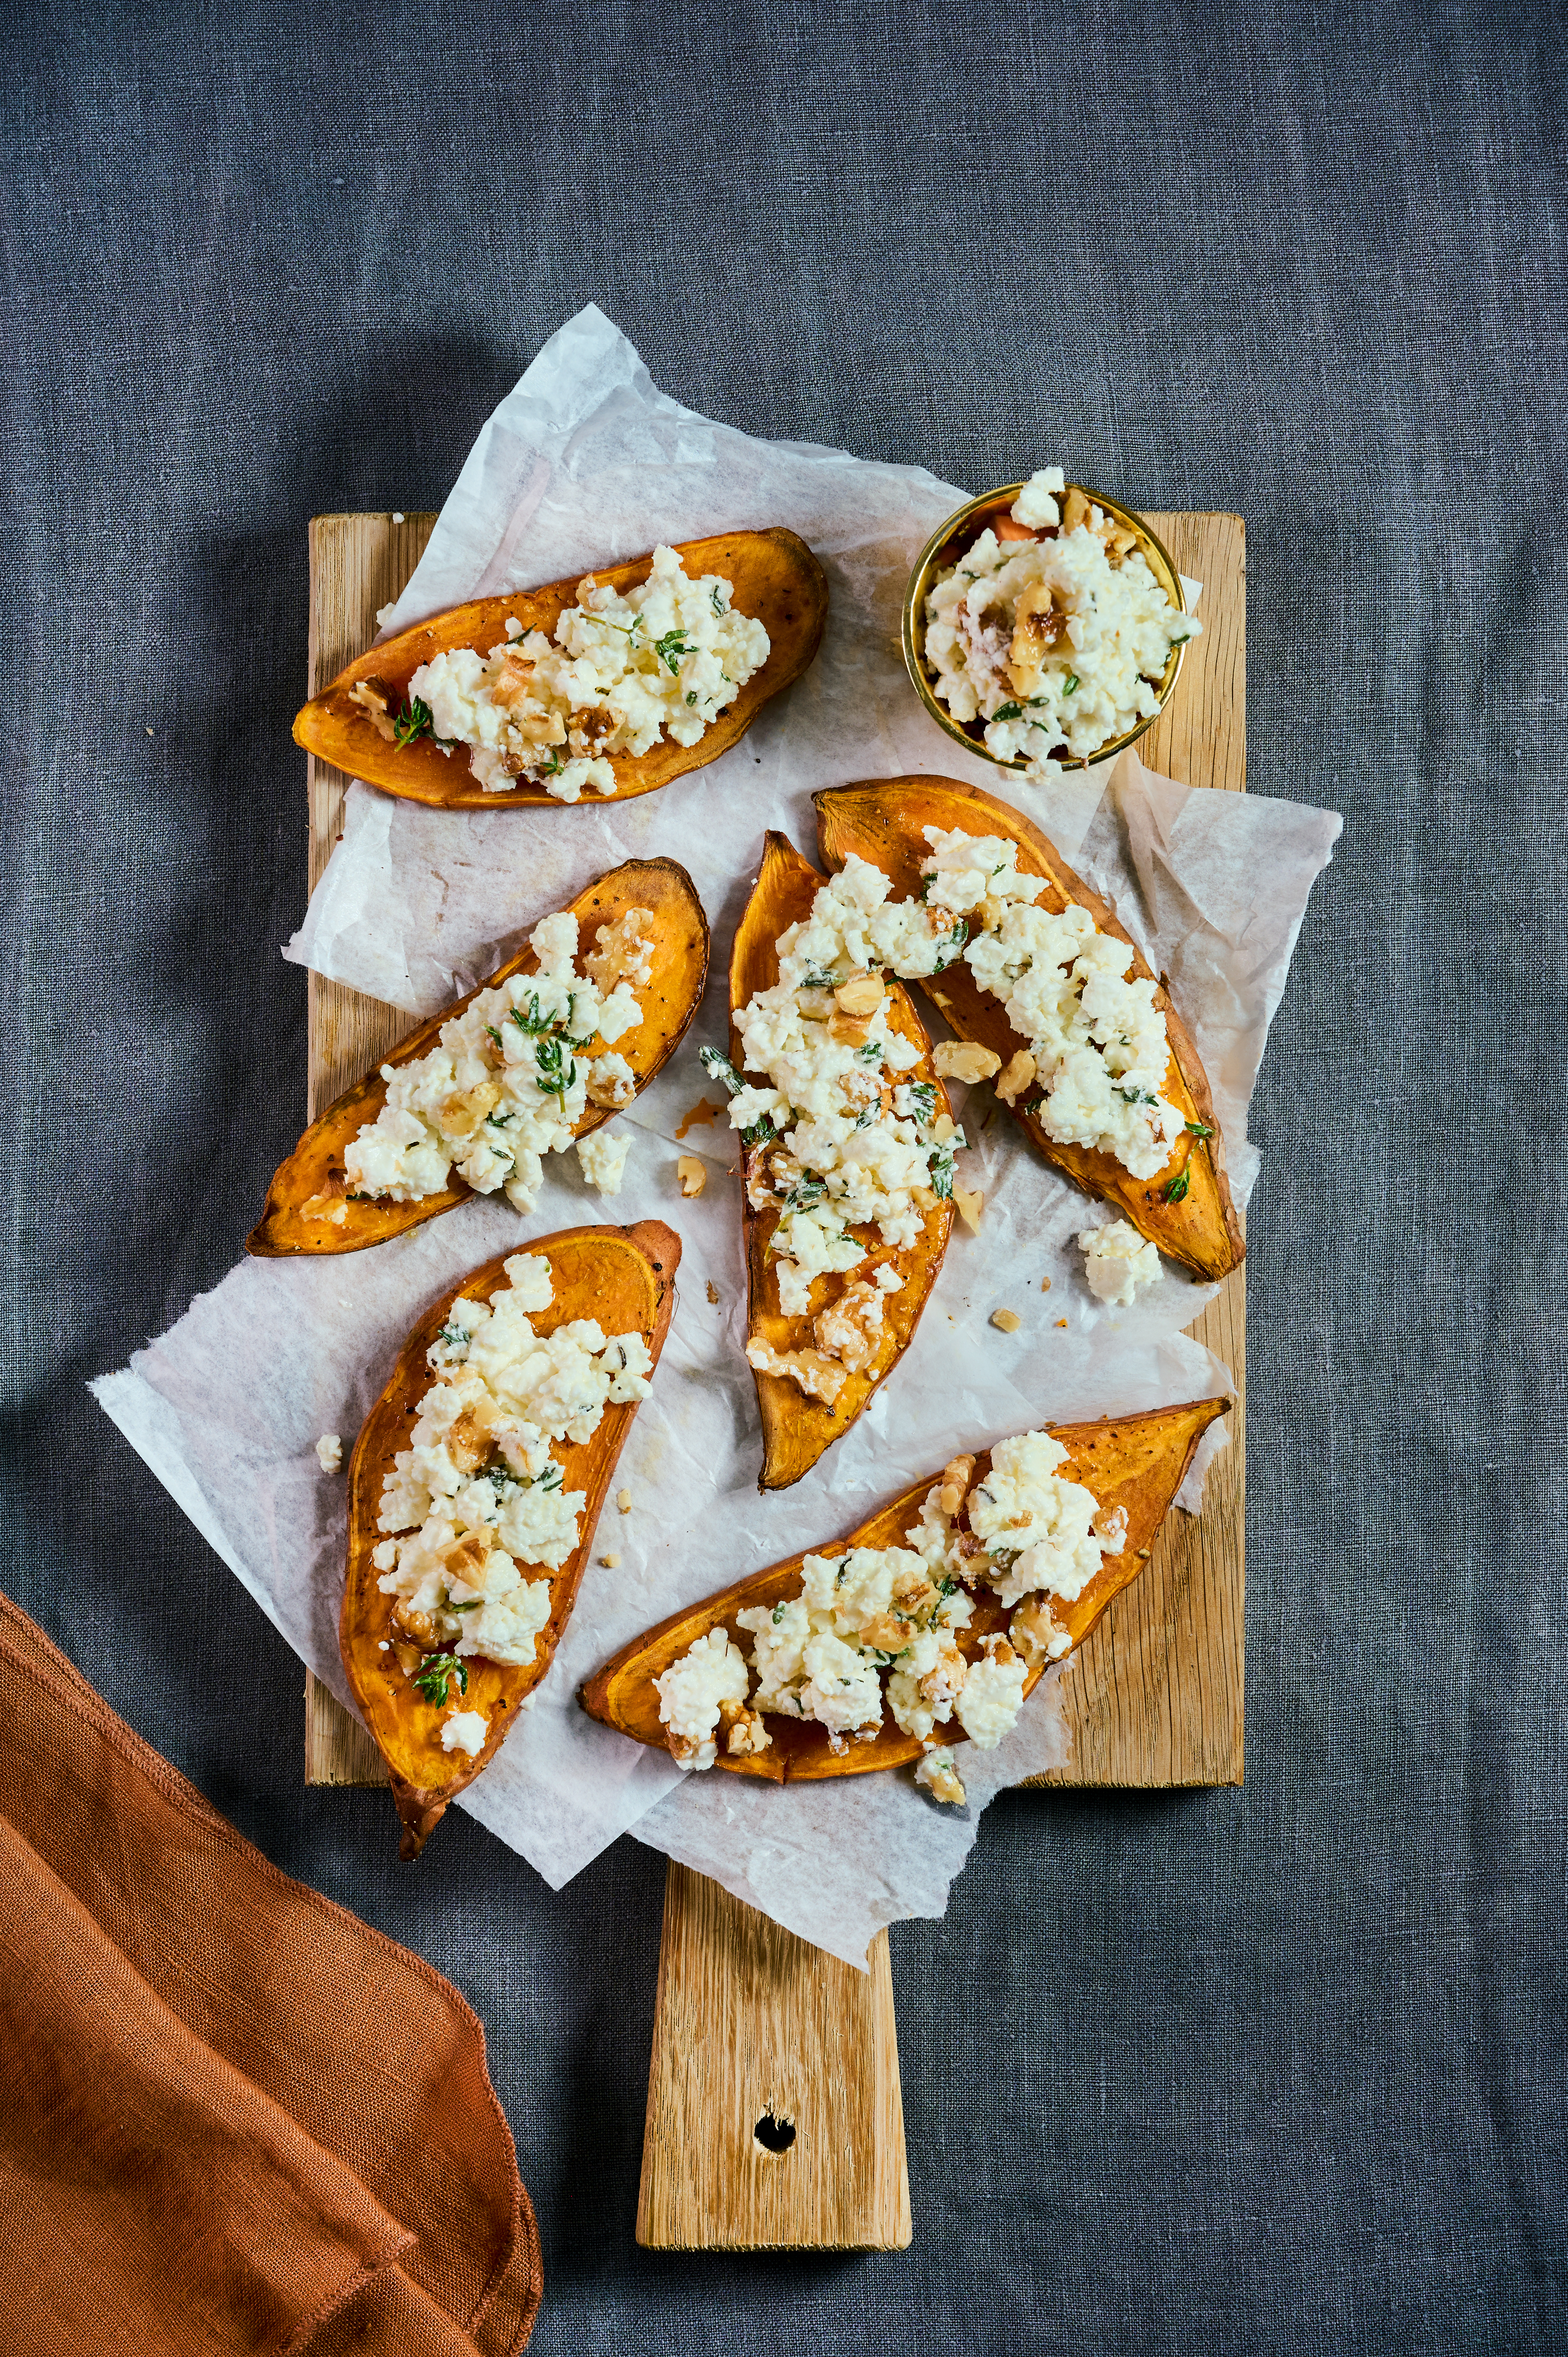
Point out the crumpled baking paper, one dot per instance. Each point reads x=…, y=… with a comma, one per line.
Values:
x=585, y=461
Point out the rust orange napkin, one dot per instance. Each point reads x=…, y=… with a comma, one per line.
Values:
x=231, y=2115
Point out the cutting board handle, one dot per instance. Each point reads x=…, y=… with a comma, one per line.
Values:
x=775, y=2120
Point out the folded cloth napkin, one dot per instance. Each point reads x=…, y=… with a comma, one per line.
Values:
x=232, y=2117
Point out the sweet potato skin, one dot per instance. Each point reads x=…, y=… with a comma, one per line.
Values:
x=1136, y=1462
x=882, y=821
x=776, y=581
x=315, y=1168
x=624, y=1278
x=795, y=1429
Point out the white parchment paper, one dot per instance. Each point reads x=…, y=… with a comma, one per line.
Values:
x=585, y=461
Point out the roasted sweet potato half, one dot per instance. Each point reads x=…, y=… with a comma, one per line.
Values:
x=306, y=1208
x=1135, y=1462
x=796, y=1428
x=776, y=580
x=624, y=1278
x=1186, y=1209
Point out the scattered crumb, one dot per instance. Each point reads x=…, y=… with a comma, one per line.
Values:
x=329, y=1453
x=1044, y=1285
x=385, y=1645
x=692, y=1173
x=1007, y=1321
x=941, y=998
x=1061, y=1322
x=149, y=732
x=713, y=1294
x=610, y=1562
x=969, y=1203
x=702, y=1114
x=1142, y=1553
x=397, y=515
x=623, y=1500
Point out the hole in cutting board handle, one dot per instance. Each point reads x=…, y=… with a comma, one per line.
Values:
x=774, y=2135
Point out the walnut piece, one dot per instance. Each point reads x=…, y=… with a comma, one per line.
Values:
x=818, y=1376
x=371, y=696
x=969, y=1203
x=742, y=1729
x=461, y=1115
x=862, y=995
x=850, y=1329
x=1014, y=1076
x=1006, y=1322
x=692, y=1173
x=965, y=1059
x=956, y=1475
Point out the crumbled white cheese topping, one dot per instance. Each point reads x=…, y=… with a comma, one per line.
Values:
x=693, y=1689
x=1024, y=1531
x=476, y=1493
x=851, y=1141
x=669, y=656
x=512, y=1075
x=329, y=1453
x=1118, y=1261
x=465, y=1731
x=603, y=1159
x=1057, y=642
x=1098, y=1043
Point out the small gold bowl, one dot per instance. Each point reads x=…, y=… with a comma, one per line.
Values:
x=944, y=548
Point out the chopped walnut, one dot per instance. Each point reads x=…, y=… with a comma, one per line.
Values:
x=943, y=1681
x=1120, y=540
x=466, y=1558
x=850, y=1329
x=1037, y=1634
x=886, y=1633
x=371, y=697
x=410, y=1659
x=743, y=1731
x=469, y=1440
x=850, y=1030
x=1006, y=1322
x=1014, y=1076
x=912, y=1593
x=1039, y=629
x=610, y=1090
x=956, y=1474
x=682, y=1746
x=969, y=1203
x=926, y=1196
x=965, y=1059
x=692, y=1173
x=330, y=1205
x=418, y=1628
x=622, y=952
x=461, y=1115
x=818, y=1377
x=588, y=732
x=863, y=994
x=1110, y=1527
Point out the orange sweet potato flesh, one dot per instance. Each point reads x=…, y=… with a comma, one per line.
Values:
x=313, y=1174
x=795, y=1429
x=774, y=579
x=624, y=1278
x=882, y=821
x=1136, y=1462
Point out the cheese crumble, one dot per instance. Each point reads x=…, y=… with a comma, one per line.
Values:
x=1118, y=1263
x=477, y=1498
x=1056, y=641
x=512, y=1075
x=879, y=1630
x=668, y=657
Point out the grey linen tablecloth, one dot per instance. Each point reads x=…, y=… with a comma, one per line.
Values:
x=1271, y=2068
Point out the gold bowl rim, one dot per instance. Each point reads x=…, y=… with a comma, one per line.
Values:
x=927, y=564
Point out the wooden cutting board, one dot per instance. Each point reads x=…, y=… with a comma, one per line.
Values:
x=774, y=2114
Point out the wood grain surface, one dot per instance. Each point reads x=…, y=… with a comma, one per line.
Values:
x=1155, y=1698
x=755, y=2028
